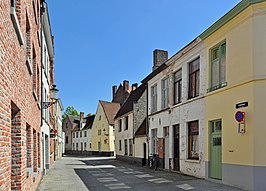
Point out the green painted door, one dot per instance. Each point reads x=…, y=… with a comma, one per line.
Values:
x=216, y=149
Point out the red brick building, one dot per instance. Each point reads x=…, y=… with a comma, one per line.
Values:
x=20, y=94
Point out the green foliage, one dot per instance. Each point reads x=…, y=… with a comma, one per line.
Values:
x=70, y=110
x=89, y=114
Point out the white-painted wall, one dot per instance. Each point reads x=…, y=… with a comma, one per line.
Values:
x=82, y=140
x=124, y=134
x=182, y=113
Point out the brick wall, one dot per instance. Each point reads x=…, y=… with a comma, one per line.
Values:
x=18, y=107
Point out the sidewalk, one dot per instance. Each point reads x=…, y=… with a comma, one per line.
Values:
x=62, y=176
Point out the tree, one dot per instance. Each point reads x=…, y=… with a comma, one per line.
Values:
x=70, y=110
x=89, y=114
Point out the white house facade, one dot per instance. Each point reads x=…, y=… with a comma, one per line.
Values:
x=176, y=111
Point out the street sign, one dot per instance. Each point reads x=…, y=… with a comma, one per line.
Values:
x=242, y=104
x=239, y=116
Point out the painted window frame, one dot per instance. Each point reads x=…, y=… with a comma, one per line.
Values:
x=154, y=98
x=220, y=49
x=193, y=140
x=177, y=86
x=165, y=88
x=193, y=76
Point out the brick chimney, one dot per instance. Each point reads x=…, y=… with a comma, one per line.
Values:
x=114, y=91
x=159, y=57
x=81, y=117
x=134, y=86
x=126, y=85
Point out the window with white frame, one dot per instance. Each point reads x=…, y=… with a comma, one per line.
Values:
x=193, y=140
x=177, y=86
x=154, y=141
x=154, y=98
x=165, y=93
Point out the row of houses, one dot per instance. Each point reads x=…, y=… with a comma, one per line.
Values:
x=94, y=134
x=201, y=110
x=31, y=135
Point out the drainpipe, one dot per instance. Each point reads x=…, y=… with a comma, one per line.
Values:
x=147, y=121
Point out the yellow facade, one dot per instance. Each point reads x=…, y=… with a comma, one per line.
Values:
x=102, y=132
x=245, y=37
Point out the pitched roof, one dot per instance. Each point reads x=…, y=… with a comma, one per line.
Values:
x=133, y=97
x=76, y=128
x=142, y=130
x=89, y=122
x=110, y=110
x=72, y=118
x=154, y=73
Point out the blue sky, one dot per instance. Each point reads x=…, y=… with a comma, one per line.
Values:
x=100, y=43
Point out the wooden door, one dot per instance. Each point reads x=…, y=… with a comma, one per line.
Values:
x=216, y=149
x=176, y=148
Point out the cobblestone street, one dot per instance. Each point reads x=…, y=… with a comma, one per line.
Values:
x=100, y=174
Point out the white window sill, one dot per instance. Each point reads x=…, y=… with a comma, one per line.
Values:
x=35, y=95
x=192, y=161
x=28, y=63
x=14, y=19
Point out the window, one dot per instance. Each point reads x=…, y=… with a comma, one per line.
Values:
x=125, y=147
x=193, y=140
x=28, y=146
x=165, y=93
x=90, y=145
x=73, y=135
x=154, y=98
x=85, y=133
x=100, y=118
x=77, y=146
x=15, y=13
x=120, y=145
x=130, y=147
x=218, y=67
x=29, y=63
x=194, y=71
x=119, y=125
x=80, y=133
x=99, y=131
x=66, y=125
x=126, y=123
x=77, y=134
x=154, y=141
x=73, y=147
x=166, y=131
x=177, y=86
x=66, y=139
x=85, y=146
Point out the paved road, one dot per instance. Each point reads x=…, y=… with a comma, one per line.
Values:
x=105, y=174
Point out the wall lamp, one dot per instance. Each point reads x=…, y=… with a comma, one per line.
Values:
x=53, y=96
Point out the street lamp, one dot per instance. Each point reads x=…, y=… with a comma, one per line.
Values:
x=53, y=96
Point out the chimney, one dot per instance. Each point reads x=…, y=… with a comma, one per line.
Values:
x=126, y=85
x=114, y=91
x=134, y=86
x=159, y=57
x=81, y=117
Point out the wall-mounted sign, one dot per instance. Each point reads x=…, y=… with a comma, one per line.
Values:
x=242, y=104
x=240, y=116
